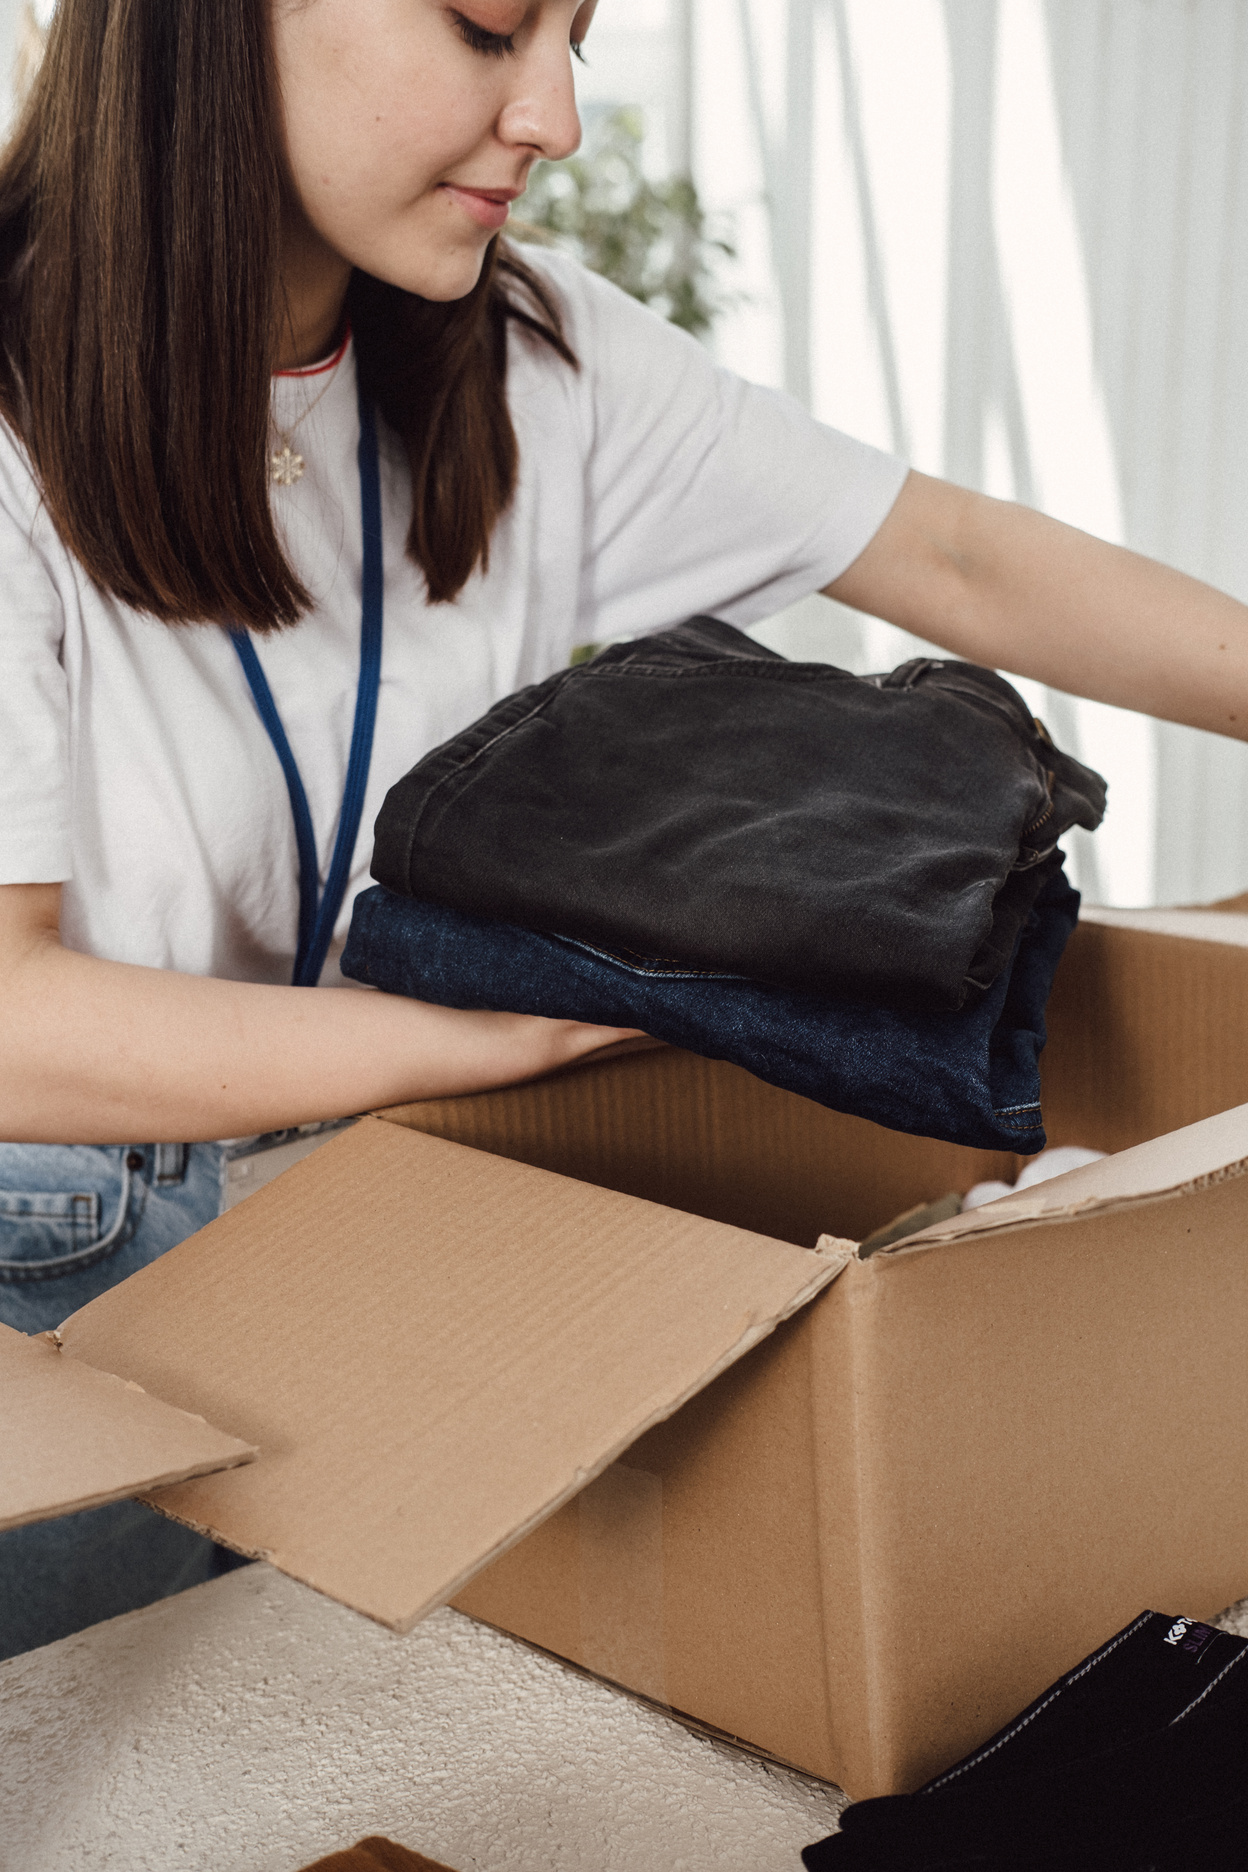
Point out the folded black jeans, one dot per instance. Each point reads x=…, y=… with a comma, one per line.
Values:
x=695, y=797
x=969, y=1075
x=1136, y=1761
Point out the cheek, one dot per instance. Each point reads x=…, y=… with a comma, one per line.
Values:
x=373, y=121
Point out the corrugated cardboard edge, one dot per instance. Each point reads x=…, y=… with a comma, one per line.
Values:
x=81, y=1503
x=1028, y=1211
x=831, y=1256
x=242, y=1453
x=152, y=1500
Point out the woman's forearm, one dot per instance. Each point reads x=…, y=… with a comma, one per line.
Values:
x=1006, y=586
x=104, y=1052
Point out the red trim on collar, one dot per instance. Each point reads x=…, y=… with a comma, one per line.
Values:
x=326, y=364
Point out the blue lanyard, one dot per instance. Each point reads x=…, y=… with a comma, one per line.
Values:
x=316, y=921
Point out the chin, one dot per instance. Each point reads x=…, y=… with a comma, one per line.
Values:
x=441, y=277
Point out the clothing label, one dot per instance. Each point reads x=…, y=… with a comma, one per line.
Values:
x=1188, y=1636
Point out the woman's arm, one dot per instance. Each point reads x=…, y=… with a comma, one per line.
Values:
x=106, y=1053
x=1005, y=586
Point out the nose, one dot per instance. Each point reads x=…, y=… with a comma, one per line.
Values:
x=541, y=114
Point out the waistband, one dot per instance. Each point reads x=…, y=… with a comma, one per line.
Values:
x=269, y=1140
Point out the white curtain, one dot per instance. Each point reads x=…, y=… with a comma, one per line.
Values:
x=1009, y=238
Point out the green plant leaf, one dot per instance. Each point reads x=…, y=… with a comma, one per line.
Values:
x=653, y=239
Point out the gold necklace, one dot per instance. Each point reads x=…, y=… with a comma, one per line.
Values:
x=286, y=466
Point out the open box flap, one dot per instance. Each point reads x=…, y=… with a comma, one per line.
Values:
x=433, y=1348
x=75, y=1438
x=1166, y=1167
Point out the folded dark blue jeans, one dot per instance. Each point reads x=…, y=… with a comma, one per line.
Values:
x=969, y=1075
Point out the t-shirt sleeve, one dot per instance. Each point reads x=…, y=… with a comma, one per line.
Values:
x=705, y=493
x=35, y=845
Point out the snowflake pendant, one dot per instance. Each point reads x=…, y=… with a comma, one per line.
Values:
x=285, y=468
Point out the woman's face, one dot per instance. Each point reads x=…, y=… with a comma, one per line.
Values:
x=410, y=124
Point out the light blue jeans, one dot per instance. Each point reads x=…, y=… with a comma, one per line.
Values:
x=74, y=1221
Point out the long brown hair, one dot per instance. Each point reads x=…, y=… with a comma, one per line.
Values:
x=140, y=217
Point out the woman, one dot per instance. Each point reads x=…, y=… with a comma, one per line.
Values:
x=266, y=373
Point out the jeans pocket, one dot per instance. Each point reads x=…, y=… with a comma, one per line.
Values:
x=46, y=1234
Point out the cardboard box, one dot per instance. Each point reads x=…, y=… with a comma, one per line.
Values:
x=568, y=1356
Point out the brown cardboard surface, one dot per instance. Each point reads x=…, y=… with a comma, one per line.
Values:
x=890, y=1527
x=911, y=1222
x=1048, y=1436
x=1173, y=1166
x=742, y=1629
x=75, y=1438
x=433, y=1348
x=843, y=1583
x=707, y=1137
x=1145, y=1034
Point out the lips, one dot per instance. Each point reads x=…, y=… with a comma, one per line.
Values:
x=489, y=208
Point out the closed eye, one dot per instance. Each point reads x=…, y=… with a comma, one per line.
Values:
x=499, y=45
x=492, y=45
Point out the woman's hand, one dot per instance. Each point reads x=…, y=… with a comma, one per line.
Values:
x=1006, y=586
x=98, y=1052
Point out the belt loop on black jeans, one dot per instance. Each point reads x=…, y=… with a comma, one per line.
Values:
x=170, y=1163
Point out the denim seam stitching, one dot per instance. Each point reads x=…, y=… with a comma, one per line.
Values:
x=1020, y=1124
x=1024, y=1722
x=18, y=1273
x=742, y=667
x=469, y=760
x=1195, y=1704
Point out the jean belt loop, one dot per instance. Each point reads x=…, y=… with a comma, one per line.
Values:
x=170, y=1163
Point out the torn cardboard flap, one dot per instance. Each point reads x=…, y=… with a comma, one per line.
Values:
x=76, y=1438
x=1164, y=1168
x=433, y=1348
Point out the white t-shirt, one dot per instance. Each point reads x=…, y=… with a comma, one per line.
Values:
x=135, y=766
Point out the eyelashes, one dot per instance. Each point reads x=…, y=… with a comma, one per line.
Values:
x=492, y=45
x=496, y=45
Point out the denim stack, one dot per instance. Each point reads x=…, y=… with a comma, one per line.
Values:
x=850, y=886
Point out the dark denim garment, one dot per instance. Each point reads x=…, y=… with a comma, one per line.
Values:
x=1132, y=1762
x=968, y=1075
x=694, y=795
